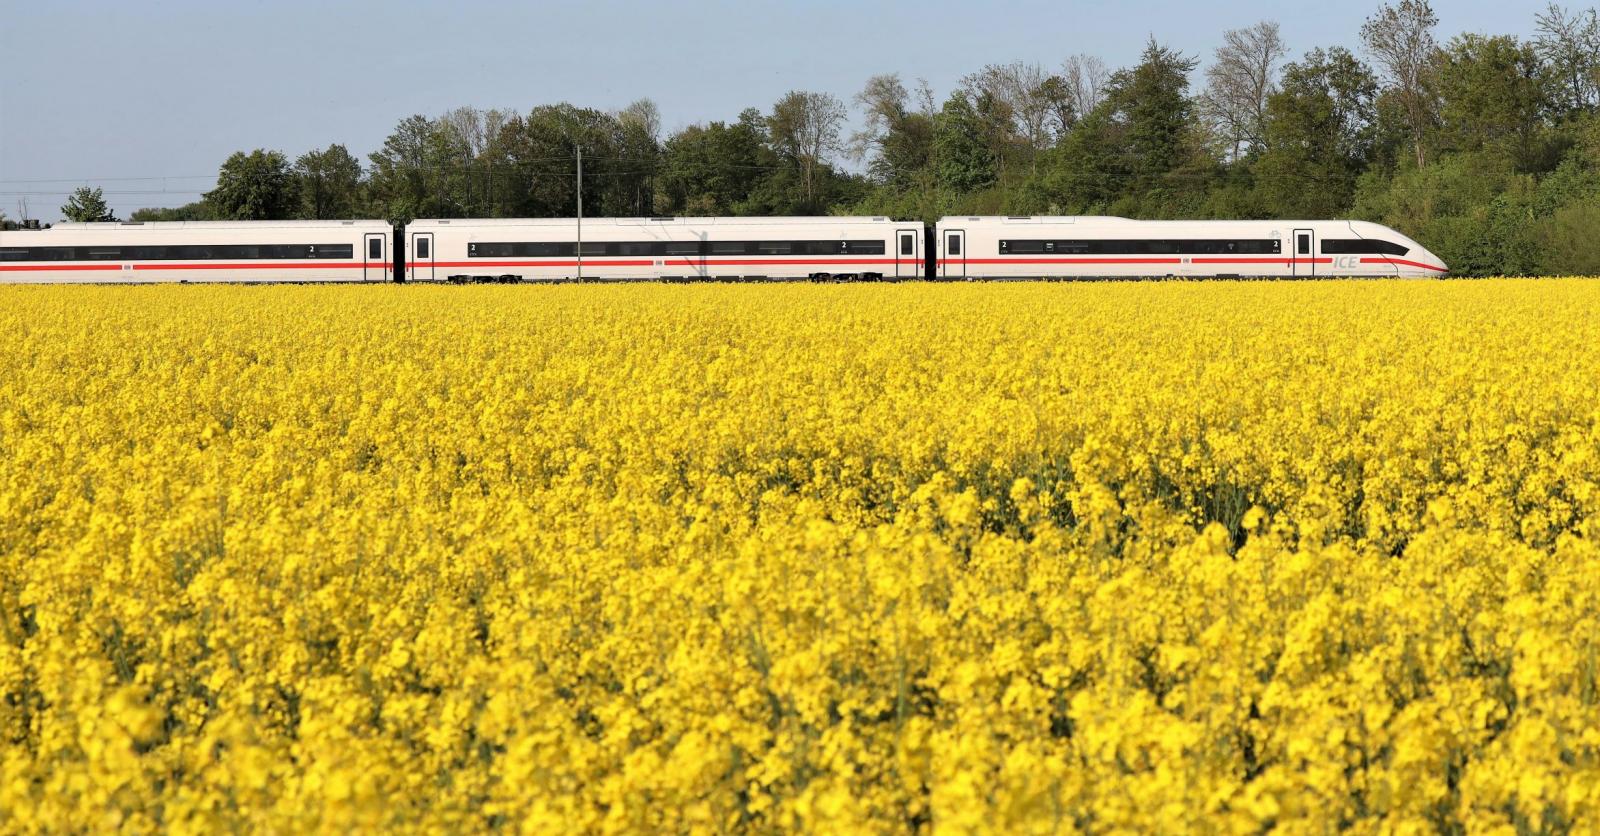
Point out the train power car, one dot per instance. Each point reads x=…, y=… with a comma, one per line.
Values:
x=665, y=249
x=200, y=251
x=1106, y=247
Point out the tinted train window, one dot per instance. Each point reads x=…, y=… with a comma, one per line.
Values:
x=906, y=245
x=547, y=249
x=954, y=246
x=1175, y=246
x=180, y=252
x=1302, y=244
x=375, y=248
x=1359, y=246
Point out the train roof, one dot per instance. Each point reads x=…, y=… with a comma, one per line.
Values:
x=157, y=226
x=1116, y=220
x=827, y=220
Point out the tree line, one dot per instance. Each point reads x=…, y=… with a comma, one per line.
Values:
x=1484, y=147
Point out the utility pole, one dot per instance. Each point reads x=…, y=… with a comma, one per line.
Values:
x=580, y=213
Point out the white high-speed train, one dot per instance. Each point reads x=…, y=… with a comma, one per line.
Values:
x=666, y=249
x=1082, y=247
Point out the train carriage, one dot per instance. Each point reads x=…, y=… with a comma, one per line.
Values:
x=1107, y=247
x=200, y=251
x=665, y=249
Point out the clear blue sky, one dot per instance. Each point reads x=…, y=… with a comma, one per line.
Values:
x=150, y=89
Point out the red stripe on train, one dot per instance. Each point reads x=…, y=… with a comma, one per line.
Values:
x=156, y=265
x=1401, y=261
x=701, y=262
x=671, y=262
x=1287, y=262
x=960, y=261
x=597, y=262
x=259, y=265
x=4, y=267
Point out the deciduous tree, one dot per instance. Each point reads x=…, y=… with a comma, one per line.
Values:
x=1400, y=38
x=805, y=129
x=1569, y=43
x=87, y=205
x=257, y=186
x=1242, y=76
x=1318, y=135
x=329, y=183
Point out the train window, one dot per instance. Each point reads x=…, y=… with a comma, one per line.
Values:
x=683, y=248
x=13, y=254
x=1133, y=247
x=593, y=248
x=1356, y=246
x=633, y=248
x=775, y=248
x=727, y=248
x=953, y=245
x=1302, y=244
x=907, y=244
x=864, y=247
x=375, y=248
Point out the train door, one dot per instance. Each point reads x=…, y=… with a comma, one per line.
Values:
x=375, y=267
x=1304, y=246
x=421, y=263
x=906, y=263
x=955, y=254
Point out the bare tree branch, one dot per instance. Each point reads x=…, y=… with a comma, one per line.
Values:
x=1240, y=80
x=1401, y=38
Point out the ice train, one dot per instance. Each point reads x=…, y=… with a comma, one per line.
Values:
x=684, y=249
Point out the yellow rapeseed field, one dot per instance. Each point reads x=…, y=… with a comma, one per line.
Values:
x=1101, y=557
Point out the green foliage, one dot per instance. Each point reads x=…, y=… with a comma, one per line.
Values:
x=1151, y=104
x=714, y=169
x=1569, y=240
x=963, y=158
x=1493, y=96
x=1318, y=135
x=407, y=179
x=197, y=211
x=87, y=205
x=329, y=184
x=257, y=186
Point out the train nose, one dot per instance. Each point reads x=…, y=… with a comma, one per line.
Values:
x=1436, y=265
